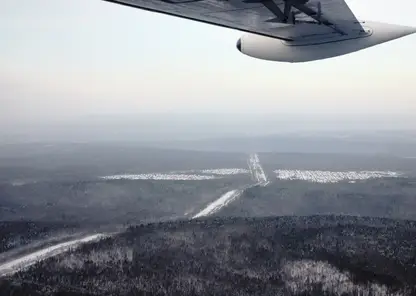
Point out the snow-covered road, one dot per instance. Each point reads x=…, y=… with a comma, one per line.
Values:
x=25, y=261
x=258, y=176
x=257, y=171
x=216, y=205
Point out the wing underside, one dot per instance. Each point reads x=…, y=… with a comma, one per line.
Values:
x=283, y=19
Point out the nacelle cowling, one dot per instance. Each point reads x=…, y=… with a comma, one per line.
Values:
x=319, y=47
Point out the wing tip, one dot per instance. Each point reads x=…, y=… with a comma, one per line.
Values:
x=393, y=28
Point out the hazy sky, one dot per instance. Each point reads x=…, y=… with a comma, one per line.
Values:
x=62, y=59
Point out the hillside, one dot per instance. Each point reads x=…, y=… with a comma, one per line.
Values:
x=317, y=255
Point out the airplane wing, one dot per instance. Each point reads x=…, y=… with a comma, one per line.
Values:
x=282, y=19
x=283, y=30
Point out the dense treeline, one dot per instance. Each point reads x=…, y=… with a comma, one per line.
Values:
x=319, y=255
x=17, y=233
x=61, y=182
x=111, y=201
x=387, y=197
x=81, y=161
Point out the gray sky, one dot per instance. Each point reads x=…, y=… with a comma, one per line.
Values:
x=65, y=59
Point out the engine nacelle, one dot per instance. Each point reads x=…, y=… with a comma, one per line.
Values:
x=321, y=46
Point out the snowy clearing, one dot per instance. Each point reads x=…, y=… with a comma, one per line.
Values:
x=160, y=177
x=332, y=177
x=225, y=171
x=206, y=174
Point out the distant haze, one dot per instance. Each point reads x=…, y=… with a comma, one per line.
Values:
x=94, y=70
x=170, y=127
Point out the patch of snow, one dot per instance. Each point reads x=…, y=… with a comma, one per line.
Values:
x=234, y=171
x=22, y=182
x=223, y=171
x=300, y=277
x=100, y=257
x=332, y=177
x=159, y=177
